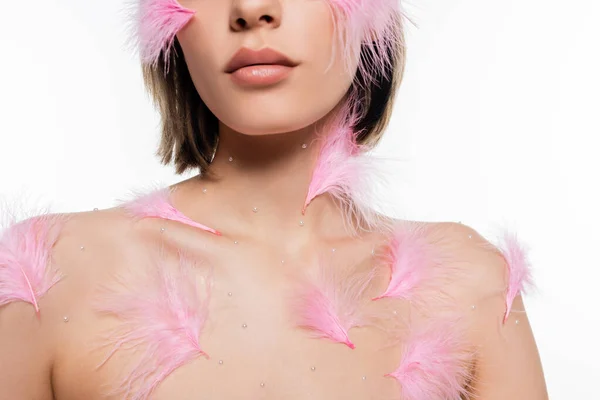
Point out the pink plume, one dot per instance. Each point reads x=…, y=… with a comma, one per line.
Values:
x=435, y=363
x=372, y=25
x=160, y=314
x=157, y=204
x=344, y=171
x=411, y=258
x=25, y=255
x=519, y=268
x=156, y=23
x=331, y=304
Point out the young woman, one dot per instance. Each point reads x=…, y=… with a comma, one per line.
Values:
x=268, y=275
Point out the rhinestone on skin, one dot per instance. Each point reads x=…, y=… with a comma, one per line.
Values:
x=301, y=223
x=313, y=368
x=66, y=319
x=162, y=229
x=82, y=248
x=220, y=362
x=304, y=145
x=517, y=322
x=230, y=159
x=235, y=242
x=262, y=384
x=255, y=209
x=229, y=294
x=364, y=378
x=204, y=190
x=473, y=307
x=244, y=325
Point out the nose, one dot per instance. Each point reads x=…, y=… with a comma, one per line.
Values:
x=249, y=14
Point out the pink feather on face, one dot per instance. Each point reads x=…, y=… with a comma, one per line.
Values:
x=161, y=315
x=25, y=255
x=412, y=259
x=373, y=26
x=156, y=24
x=519, y=268
x=331, y=303
x=157, y=204
x=435, y=363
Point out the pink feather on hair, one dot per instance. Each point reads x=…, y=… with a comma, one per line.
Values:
x=331, y=303
x=157, y=204
x=25, y=258
x=156, y=22
x=412, y=260
x=435, y=362
x=161, y=316
x=519, y=268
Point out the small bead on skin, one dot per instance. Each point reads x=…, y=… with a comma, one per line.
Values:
x=162, y=230
x=220, y=362
x=82, y=248
x=230, y=159
x=262, y=384
x=66, y=319
x=301, y=223
x=473, y=307
x=229, y=294
x=517, y=322
x=255, y=209
x=304, y=145
x=313, y=368
x=235, y=242
x=364, y=378
x=244, y=326
x=204, y=190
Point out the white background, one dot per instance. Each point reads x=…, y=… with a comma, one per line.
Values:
x=496, y=123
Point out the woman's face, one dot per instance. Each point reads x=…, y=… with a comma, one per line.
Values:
x=248, y=101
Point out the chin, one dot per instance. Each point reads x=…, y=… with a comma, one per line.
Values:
x=269, y=121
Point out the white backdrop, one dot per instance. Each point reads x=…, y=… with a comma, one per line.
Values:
x=496, y=123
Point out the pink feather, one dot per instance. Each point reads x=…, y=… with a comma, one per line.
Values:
x=519, y=268
x=331, y=303
x=412, y=260
x=161, y=315
x=25, y=255
x=156, y=23
x=373, y=26
x=345, y=172
x=157, y=204
x=435, y=363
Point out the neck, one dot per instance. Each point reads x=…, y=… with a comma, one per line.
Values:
x=260, y=183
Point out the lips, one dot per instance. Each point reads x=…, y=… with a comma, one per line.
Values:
x=266, y=56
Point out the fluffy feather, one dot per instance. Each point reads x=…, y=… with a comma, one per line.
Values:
x=435, y=362
x=25, y=255
x=519, y=268
x=154, y=26
x=161, y=315
x=412, y=260
x=370, y=26
x=331, y=303
x=157, y=204
x=346, y=172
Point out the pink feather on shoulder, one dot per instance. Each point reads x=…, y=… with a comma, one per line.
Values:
x=157, y=204
x=435, y=362
x=161, y=314
x=519, y=268
x=331, y=303
x=156, y=23
x=26, y=273
x=412, y=260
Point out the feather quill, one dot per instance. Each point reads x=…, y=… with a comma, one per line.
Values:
x=161, y=315
x=157, y=204
x=435, y=362
x=154, y=25
x=25, y=258
x=331, y=303
x=519, y=268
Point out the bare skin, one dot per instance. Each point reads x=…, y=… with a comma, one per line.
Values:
x=51, y=359
x=47, y=358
